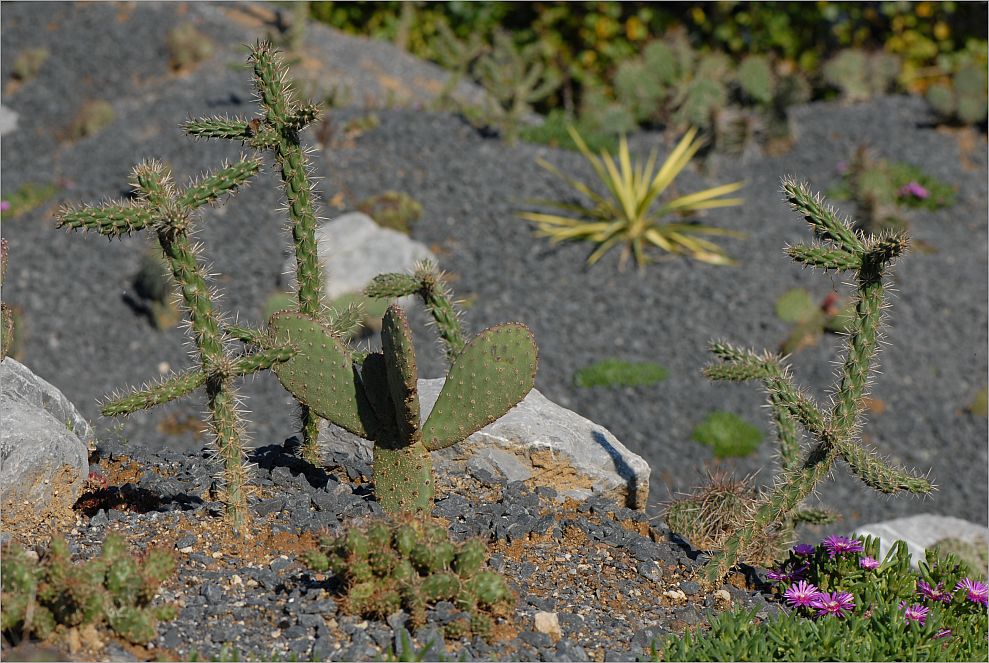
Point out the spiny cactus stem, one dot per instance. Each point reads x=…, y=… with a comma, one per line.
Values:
x=171, y=389
x=260, y=361
x=822, y=217
x=786, y=431
x=247, y=335
x=878, y=473
x=789, y=492
x=112, y=220
x=824, y=258
x=212, y=187
x=438, y=303
x=226, y=424
x=862, y=342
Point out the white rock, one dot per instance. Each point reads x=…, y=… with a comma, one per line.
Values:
x=8, y=120
x=353, y=249
x=548, y=623
x=923, y=531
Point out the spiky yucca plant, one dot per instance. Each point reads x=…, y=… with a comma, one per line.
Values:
x=834, y=434
x=628, y=211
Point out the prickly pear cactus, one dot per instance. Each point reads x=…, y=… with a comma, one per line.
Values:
x=411, y=564
x=115, y=588
x=376, y=398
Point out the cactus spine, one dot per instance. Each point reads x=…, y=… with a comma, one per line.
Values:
x=278, y=130
x=165, y=211
x=834, y=432
x=375, y=397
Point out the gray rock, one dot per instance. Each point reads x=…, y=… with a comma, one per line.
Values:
x=923, y=531
x=8, y=120
x=43, y=441
x=353, y=249
x=538, y=442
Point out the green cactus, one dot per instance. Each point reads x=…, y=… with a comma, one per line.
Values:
x=28, y=63
x=433, y=569
x=187, y=47
x=834, y=433
x=755, y=78
x=861, y=76
x=963, y=98
x=115, y=587
x=162, y=209
x=7, y=318
x=379, y=401
x=277, y=130
x=457, y=56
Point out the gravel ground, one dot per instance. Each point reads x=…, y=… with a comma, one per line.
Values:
x=82, y=336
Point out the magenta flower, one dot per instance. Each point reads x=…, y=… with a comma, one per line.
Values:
x=914, y=189
x=977, y=591
x=801, y=594
x=839, y=545
x=834, y=603
x=869, y=563
x=914, y=613
x=779, y=575
x=4, y=205
x=803, y=549
x=943, y=633
x=934, y=594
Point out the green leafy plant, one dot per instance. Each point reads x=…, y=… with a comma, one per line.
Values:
x=614, y=372
x=843, y=604
x=833, y=433
x=376, y=396
x=411, y=564
x=811, y=320
x=628, y=211
x=115, y=588
x=28, y=197
x=392, y=209
x=727, y=434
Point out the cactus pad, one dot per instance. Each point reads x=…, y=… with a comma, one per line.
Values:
x=490, y=376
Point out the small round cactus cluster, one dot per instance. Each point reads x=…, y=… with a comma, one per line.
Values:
x=411, y=564
x=116, y=588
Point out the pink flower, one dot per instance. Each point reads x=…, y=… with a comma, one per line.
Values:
x=800, y=594
x=934, y=594
x=977, y=591
x=803, y=549
x=943, y=633
x=914, y=613
x=914, y=189
x=838, y=545
x=835, y=603
x=868, y=563
x=4, y=205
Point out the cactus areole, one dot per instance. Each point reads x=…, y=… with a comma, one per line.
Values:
x=378, y=399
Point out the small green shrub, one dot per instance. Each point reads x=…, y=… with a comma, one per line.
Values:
x=392, y=209
x=93, y=117
x=115, y=588
x=410, y=563
x=187, y=47
x=851, y=607
x=728, y=435
x=29, y=62
x=613, y=372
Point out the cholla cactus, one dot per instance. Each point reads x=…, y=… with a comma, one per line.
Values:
x=834, y=433
x=380, y=402
x=277, y=130
x=412, y=564
x=6, y=312
x=115, y=588
x=167, y=212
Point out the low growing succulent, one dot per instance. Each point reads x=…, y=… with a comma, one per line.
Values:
x=963, y=98
x=727, y=434
x=375, y=396
x=392, y=209
x=614, y=372
x=861, y=75
x=834, y=434
x=411, y=564
x=842, y=603
x=115, y=588
x=628, y=212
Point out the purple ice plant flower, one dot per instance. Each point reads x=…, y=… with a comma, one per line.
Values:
x=915, y=190
x=943, y=633
x=780, y=575
x=977, y=591
x=839, y=545
x=803, y=549
x=4, y=205
x=869, y=563
x=834, y=603
x=935, y=593
x=914, y=613
x=801, y=594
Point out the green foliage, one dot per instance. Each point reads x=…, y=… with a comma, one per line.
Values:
x=555, y=132
x=375, y=397
x=834, y=434
x=974, y=554
x=411, y=564
x=392, y=209
x=187, y=47
x=30, y=196
x=92, y=118
x=861, y=75
x=809, y=320
x=879, y=188
x=627, y=213
x=114, y=588
x=727, y=434
x=963, y=98
x=876, y=629
x=28, y=63
x=613, y=372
